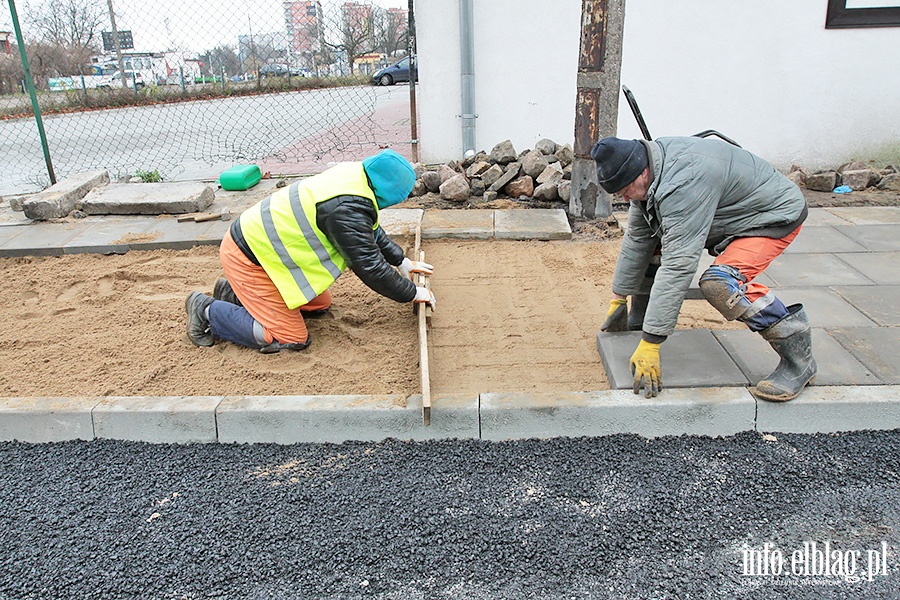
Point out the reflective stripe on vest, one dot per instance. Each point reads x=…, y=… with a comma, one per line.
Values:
x=283, y=235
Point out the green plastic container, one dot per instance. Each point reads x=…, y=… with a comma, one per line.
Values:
x=240, y=177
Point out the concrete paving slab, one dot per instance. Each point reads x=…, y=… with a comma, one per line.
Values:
x=691, y=358
x=109, y=235
x=813, y=240
x=458, y=224
x=879, y=303
x=756, y=358
x=293, y=419
x=170, y=197
x=9, y=232
x=831, y=409
x=706, y=411
x=60, y=199
x=215, y=233
x=813, y=270
x=400, y=221
x=39, y=420
x=878, y=348
x=877, y=238
x=42, y=239
x=157, y=419
x=868, y=215
x=823, y=216
x=883, y=268
x=825, y=307
x=532, y=224
x=167, y=232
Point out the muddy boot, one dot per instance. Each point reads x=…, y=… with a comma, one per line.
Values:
x=791, y=338
x=222, y=291
x=196, y=306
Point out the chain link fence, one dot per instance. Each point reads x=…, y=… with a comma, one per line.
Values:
x=188, y=88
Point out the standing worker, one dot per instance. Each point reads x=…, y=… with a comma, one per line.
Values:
x=281, y=256
x=687, y=194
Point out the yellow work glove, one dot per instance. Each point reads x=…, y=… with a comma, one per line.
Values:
x=646, y=369
x=616, y=316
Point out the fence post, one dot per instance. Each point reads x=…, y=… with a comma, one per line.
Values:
x=181, y=76
x=29, y=82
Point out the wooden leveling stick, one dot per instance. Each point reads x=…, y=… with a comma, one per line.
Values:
x=422, y=312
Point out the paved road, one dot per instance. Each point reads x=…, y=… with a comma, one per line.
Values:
x=188, y=139
x=616, y=517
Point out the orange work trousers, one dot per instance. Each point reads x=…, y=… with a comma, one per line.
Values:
x=261, y=298
x=751, y=256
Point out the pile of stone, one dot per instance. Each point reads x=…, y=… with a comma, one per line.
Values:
x=855, y=175
x=543, y=173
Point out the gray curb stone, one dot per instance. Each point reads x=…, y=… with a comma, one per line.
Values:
x=47, y=419
x=294, y=419
x=830, y=409
x=157, y=419
x=707, y=411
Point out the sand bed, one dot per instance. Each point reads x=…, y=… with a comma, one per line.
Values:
x=511, y=316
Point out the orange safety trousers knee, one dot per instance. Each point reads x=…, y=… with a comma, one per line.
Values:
x=261, y=298
x=751, y=256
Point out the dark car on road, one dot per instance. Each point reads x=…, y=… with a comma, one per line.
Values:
x=395, y=73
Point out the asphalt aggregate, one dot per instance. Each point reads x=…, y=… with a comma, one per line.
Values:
x=613, y=517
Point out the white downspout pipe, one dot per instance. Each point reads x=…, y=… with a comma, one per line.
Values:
x=467, y=76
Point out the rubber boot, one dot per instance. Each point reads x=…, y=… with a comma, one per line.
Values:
x=222, y=291
x=791, y=338
x=197, y=322
x=233, y=323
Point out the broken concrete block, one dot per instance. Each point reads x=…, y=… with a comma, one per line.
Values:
x=823, y=182
x=503, y=153
x=552, y=174
x=549, y=192
x=149, y=199
x=419, y=189
x=546, y=146
x=534, y=163
x=565, y=154
x=564, y=189
x=523, y=186
x=889, y=182
x=60, y=199
x=455, y=189
x=512, y=171
x=477, y=168
x=860, y=179
x=446, y=173
x=432, y=180
x=16, y=203
x=492, y=175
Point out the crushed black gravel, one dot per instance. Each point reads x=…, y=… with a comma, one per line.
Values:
x=614, y=517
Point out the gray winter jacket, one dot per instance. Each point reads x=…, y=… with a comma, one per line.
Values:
x=703, y=194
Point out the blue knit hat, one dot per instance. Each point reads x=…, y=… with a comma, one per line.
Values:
x=391, y=176
x=619, y=162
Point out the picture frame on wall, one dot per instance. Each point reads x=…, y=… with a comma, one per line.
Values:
x=845, y=14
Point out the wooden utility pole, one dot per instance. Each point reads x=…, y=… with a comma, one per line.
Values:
x=597, y=101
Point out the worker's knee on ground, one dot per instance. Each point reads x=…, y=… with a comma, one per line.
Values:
x=722, y=286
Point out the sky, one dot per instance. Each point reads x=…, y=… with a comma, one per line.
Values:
x=195, y=25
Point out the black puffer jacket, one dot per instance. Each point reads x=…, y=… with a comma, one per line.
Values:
x=347, y=222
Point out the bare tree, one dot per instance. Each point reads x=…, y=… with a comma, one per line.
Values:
x=357, y=31
x=390, y=32
x=223, y=57
x=72, y=24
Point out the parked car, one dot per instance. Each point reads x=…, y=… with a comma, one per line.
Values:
x=280, y=70
x=132, y=78
x=395, y=73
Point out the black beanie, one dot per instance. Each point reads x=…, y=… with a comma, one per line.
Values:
x=619, y=162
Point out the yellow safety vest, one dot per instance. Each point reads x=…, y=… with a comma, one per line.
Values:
x=281, y=232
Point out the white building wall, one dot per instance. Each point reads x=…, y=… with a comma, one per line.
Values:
x=525, y=69
x=766, y=73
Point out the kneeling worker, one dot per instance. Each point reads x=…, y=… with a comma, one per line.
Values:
x=281, y=256
x=687, y=194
